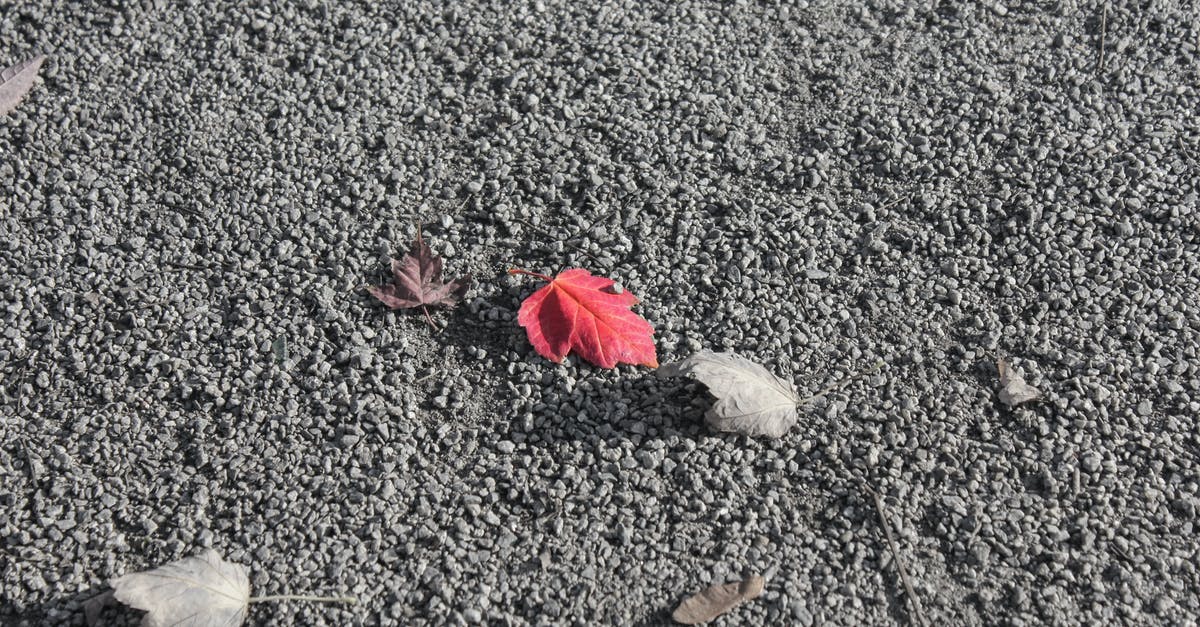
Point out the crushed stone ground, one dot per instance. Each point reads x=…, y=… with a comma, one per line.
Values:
x=195, y=194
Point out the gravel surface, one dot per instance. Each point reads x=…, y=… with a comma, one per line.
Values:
x=194, y=196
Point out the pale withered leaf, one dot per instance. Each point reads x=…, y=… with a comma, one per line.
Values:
x=16, y=81
x=716, y=600
x=200, y=591
x=1013, y=389
x=750, y=400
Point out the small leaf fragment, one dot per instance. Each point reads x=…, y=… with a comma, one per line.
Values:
x=200, y=591
x=1013, y=389
x=750, y=400
x=717, y=600
x=16, y=81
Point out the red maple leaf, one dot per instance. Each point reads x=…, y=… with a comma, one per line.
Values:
x=418, y=282
x=580, y=312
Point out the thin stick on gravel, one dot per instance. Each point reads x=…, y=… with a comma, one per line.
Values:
x=1103, y=36
x=837, y=385
x=186, y=266
x=897, y=200
x=566, y=242
x=302, y=597
x=887, y=531
x=33, y=474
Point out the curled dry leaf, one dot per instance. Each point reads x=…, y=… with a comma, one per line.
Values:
x=16, y=81
x=200, y=591
x=1013, y=389
x=750, y=400
x=716, y=600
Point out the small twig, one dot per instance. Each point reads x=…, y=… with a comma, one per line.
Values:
x=33, y=475
x=429, y=318
x=432, y=373
x=567, y=242
x=887, y=530
x=558, y=510
x=1103, y=36
x=190, y=211
x=792, y=281
x=186, y=266
x=146, y=305
x=303, y=597
x=515, y=271
x=833, y=387
x=465, y=201
x=588, y=228
x=219, y=265
x=897, y=200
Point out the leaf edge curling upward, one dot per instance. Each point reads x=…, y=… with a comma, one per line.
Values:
x=736, y=409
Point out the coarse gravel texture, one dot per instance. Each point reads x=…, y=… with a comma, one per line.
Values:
x=194, y=196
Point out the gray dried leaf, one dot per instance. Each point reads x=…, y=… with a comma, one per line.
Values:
x=750, y=400
x=16, y=81
x=716, y=600
x=200, y=591
x=1013, y=389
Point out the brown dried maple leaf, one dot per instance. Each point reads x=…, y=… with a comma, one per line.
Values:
x=418, y=282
